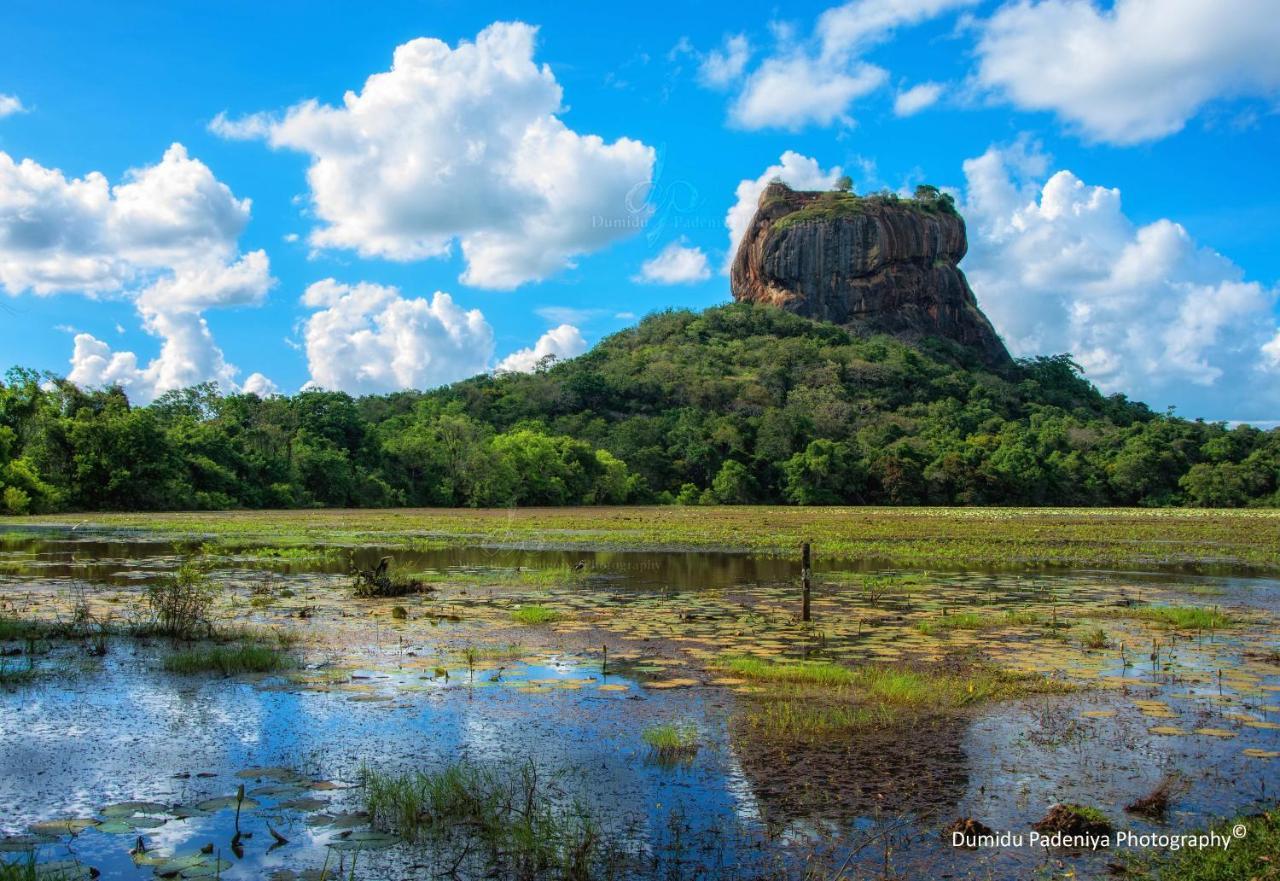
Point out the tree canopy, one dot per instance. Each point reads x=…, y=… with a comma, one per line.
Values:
x=737, y=404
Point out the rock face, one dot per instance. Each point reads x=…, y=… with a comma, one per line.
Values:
x=873, y=265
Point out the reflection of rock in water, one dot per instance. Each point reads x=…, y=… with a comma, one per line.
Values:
x=915, y=767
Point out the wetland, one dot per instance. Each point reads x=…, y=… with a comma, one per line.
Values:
x=508, y=694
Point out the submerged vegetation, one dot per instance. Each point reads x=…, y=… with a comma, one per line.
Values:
x=736, y=404
x=504, y=819
x=869, y=713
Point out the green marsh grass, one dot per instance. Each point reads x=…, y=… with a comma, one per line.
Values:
x=1251, y=858
x=980, y=621
x=810, y=699
x=26, y=869
x=1182, y=617
x=286, y=553
x=947, y=689
x=805, y=719
x=14, y=673
x=532, y=615
x=955, y=621
x=229, y=660
x=506, y=815
x=807, y=672
x=553, y=576
x=672, y=742
x=508, y=652
x=1096, y=639
x=916, y=537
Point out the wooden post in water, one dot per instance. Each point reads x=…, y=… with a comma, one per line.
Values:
x=805, y=577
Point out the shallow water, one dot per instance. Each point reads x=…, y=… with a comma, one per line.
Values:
x=93, y=732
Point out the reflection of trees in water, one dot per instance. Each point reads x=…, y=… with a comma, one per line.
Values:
x=914, y=766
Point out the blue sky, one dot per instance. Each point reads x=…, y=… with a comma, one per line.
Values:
x=1120, y=194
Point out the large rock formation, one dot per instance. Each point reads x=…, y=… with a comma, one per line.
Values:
x=874, y=264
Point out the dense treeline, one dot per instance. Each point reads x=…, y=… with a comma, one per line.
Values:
x=733, y=405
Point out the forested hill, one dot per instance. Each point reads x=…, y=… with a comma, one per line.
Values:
x=736, y=404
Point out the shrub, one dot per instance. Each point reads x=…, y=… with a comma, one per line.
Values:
x=16, y=501
x=179, y=604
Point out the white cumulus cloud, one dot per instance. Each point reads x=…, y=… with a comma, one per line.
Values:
x=795, y=170
x=1271, y=351
x=677, y=263
x=1059, y=267
x=817, y=80
x=1133, y=71
x=721, y=67
x=462, y=143
x=911, y=101
x=166, y=237
x=9, y=105
x=188, y=355
x=80, y=234
x=257, y=384
x=562, y=342
x=369, y=339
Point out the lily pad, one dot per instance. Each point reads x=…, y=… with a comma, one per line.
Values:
x=115, y=827
x=365, y=839
x=226, y=801
x=146, y=822
x=325, y=785
x=129, y=808
x=276, y=790
x=211, y=868
x=63, y=826
x=339, y=821
x=192, y=865
x=21, y=843
x=281, y=774
x=304, y=804
x=185, y=812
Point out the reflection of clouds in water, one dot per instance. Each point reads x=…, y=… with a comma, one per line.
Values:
x=746, y=807
x=233, y=714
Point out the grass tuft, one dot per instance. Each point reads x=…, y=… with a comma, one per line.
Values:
x=229, y=660
x=807, y=672
x=1182, y=617
x=1251, y=857
x=671, y=742
x=15, y=674
x=807, y=720
x=492, y=816
x=955, y=621
x=535, y=615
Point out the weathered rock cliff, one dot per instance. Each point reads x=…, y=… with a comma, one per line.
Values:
x=875, y=265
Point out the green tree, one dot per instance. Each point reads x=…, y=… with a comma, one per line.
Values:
x=733, y=484
x=825, y=473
